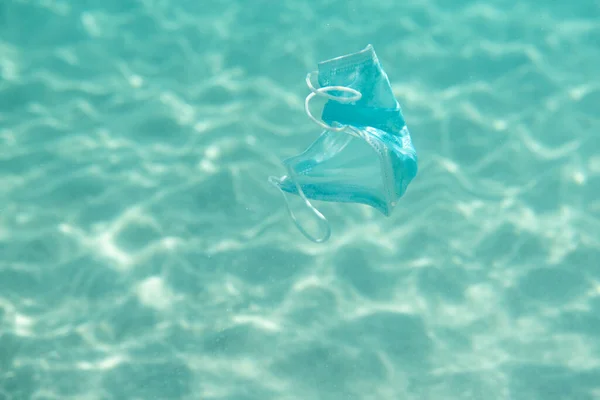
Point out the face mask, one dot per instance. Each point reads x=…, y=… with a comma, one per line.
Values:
x=364, y=154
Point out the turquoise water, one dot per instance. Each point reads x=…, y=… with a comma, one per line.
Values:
x=143, y=254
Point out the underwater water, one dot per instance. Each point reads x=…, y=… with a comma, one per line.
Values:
x=144, y=254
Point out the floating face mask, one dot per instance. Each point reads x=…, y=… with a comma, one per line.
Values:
x=364, y=154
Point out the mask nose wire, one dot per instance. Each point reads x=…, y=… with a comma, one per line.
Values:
x=323, y=92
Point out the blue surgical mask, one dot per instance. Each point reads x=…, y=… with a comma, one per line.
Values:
x=364, y=155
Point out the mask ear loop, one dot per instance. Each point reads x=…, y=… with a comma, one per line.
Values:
x=317, y=213
x=323, y=92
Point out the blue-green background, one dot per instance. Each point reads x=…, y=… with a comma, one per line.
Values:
x=143, y=254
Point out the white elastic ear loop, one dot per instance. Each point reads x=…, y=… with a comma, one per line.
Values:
x=321, y=91
x=318, y=214
x=324, y=93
